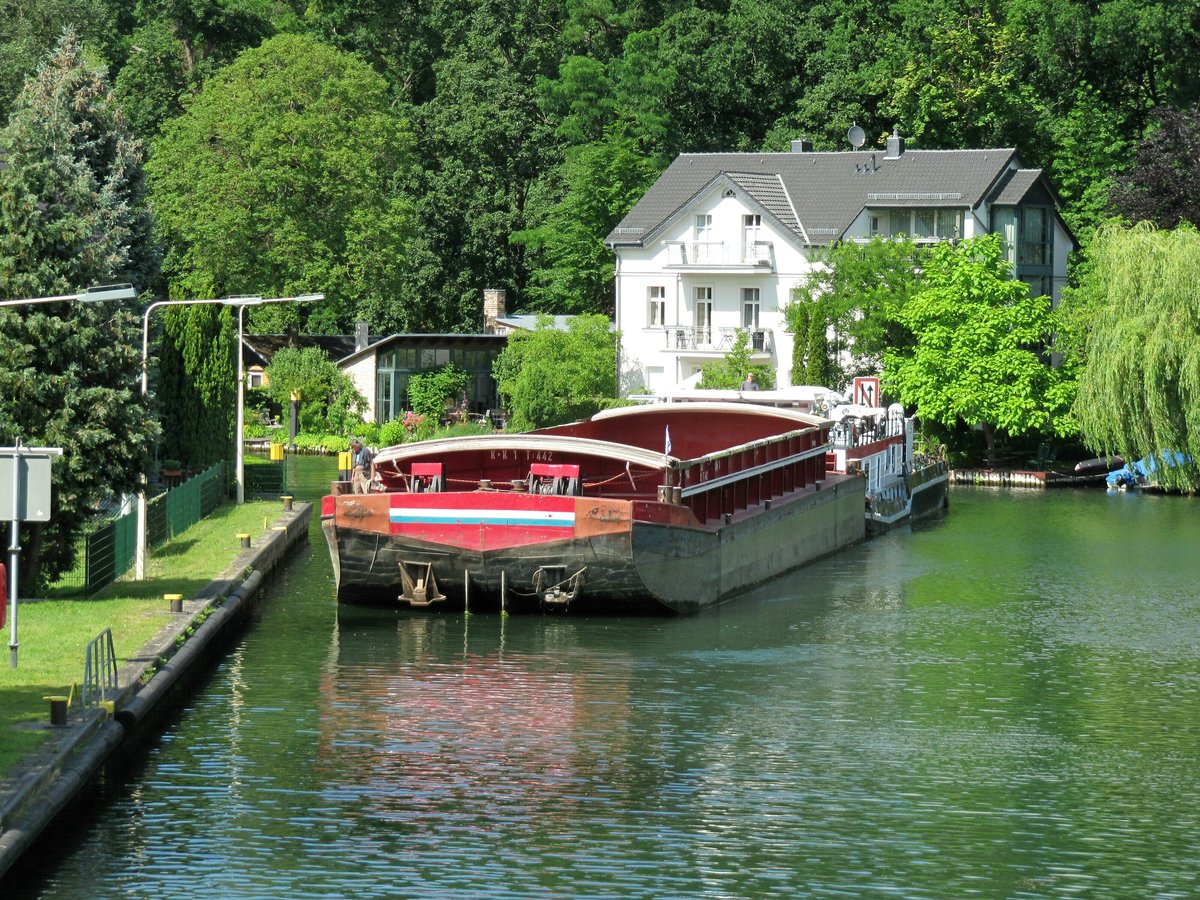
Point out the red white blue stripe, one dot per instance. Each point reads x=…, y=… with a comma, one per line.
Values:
x=535, y=518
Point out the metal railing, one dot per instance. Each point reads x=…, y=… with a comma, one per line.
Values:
x=718, y=253
x=99, y=670
x=720, y=340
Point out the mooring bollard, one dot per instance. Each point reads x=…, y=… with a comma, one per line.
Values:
x=245, y=539
x=58, y=710
x=287, y=504
x=176, y=601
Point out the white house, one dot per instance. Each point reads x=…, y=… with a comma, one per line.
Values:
x=721, y=240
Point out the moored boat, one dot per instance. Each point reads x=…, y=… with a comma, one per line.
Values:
x=901, y=485
x=667, y=507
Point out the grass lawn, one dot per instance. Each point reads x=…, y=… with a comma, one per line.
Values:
x=54, y=634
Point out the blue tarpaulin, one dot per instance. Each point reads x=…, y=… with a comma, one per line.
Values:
x=1139, y=472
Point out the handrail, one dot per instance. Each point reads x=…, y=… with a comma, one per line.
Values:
x=99, y=669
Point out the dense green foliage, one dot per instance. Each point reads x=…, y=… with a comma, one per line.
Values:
x=1139, y=393
x=976, y=358
x=329, y=402
x=729, y=372
x=857, y=290
x=281, y=179
x=72, y=214
x=548, y=377
x=196, y=390
x=402, y=157
x=537, y=122
x=432, y=394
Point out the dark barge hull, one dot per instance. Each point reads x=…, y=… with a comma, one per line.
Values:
x=632, y=564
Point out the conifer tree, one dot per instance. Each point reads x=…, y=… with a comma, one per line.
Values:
x=72, y=214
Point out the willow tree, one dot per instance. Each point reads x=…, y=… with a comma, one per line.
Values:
x=1139, y=388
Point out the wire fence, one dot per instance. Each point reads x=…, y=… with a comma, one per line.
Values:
x=107, y=551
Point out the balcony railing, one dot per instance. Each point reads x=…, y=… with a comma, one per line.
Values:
x=717, y=340
x=759, y=254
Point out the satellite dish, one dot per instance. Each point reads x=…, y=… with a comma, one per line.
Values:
x=856, y=136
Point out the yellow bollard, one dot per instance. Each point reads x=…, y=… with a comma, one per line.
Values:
x=276, y=452
x=176, y=601
x=244, y=537
x=287, y=503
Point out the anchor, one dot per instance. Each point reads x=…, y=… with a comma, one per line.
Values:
x=554, y=589
x=421, y=590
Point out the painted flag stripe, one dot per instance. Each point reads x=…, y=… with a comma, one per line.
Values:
x=409, y=516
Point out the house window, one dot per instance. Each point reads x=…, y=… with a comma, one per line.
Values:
x=254, y=378
x=1004, y=223
x=922, y=224
x=751, y=306
x=1035, y=236
x=706, y=249
x=703, y=315
x=751, y=226
x=657, y=295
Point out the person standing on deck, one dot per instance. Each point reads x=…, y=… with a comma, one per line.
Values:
x=362, y=468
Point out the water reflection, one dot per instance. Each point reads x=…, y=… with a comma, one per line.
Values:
x=1006, y=703
x=422, y=716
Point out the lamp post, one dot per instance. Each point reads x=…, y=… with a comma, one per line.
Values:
x=241, y=303
x=142, y=550
x=87, y=295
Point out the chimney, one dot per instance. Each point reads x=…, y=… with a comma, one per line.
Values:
x=804, y=145
x=895, y=145
x=493, y=309
x=361, y=336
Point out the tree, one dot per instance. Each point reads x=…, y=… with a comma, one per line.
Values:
x=1161, y=186
x=573, y=269
x=977, y=352
x=809, y=320
x=197, y=384
x=329, y=401
x=857, y=290
x=282, y=178
x=729, y=373
x=29, y=29
x=430, y=393
x=73, y=214
x=1139, y=388
x=548, y=377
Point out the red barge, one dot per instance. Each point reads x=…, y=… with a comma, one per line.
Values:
x=666, y=507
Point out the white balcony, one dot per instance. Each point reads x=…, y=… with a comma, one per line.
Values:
x=717, y=256
x=690, y=338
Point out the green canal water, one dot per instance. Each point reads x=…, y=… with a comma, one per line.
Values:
x=1003, y=703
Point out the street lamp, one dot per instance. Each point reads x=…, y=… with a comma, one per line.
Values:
x=241, y=303
x=141, y=551
x=87, y=295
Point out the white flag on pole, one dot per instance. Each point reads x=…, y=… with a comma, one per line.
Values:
x=667, y=441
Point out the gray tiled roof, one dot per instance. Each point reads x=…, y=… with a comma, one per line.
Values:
x=1018, y=186
x=827, y=191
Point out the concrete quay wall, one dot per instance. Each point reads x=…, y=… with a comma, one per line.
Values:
x=65, y=764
